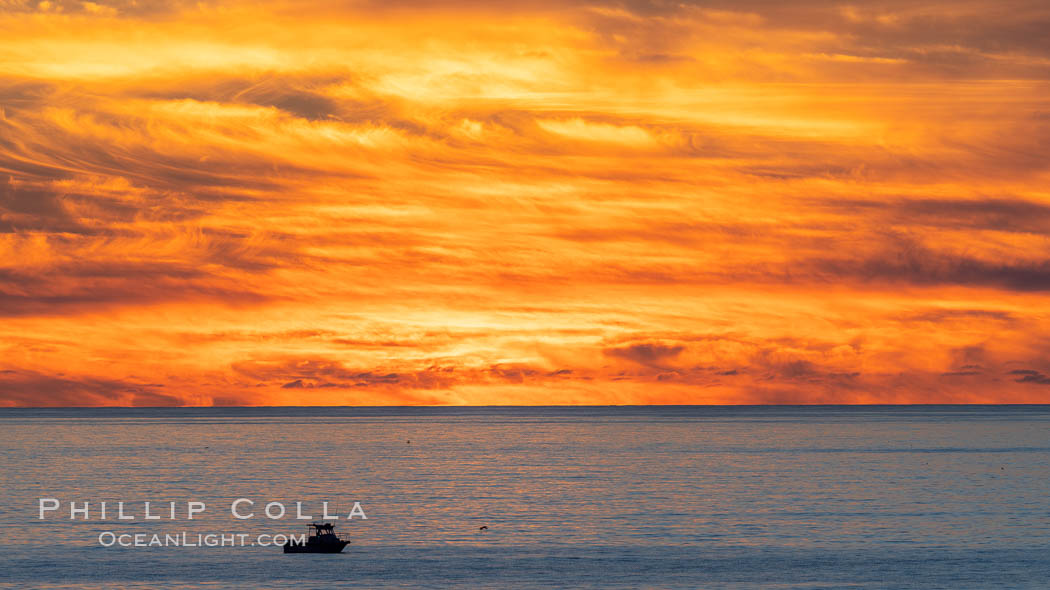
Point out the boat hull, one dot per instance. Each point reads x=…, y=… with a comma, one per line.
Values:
x=335, y=547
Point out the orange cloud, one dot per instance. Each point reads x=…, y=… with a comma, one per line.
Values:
x=522, y=203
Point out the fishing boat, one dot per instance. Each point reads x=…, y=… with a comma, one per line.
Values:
x=321, y=538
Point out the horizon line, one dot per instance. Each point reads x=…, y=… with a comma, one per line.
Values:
x=424, y=406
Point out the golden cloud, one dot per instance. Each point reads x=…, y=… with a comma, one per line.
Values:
x=524, y=203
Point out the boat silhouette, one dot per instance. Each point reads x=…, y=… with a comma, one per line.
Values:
x=321, y=539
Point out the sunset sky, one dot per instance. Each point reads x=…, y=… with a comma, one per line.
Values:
x=535, y=202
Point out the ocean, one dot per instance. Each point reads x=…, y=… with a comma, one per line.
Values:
x=576, y=497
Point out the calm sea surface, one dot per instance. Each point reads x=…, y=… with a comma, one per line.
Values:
x=662, y=497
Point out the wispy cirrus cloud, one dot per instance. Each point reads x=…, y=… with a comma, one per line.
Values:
x=538, y=202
